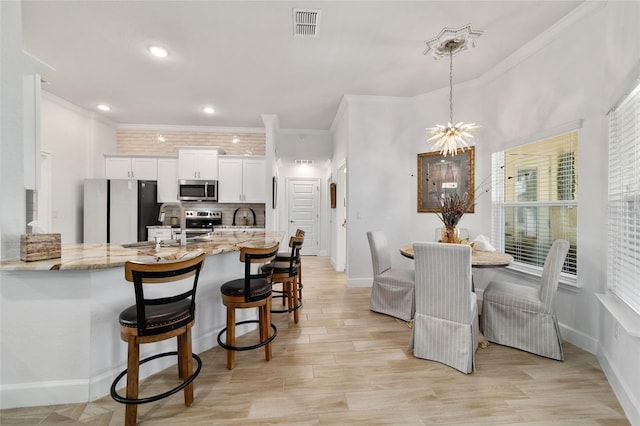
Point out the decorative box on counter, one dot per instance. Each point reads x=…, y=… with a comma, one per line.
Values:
x=40, y=247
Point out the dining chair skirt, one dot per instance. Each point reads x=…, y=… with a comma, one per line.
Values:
x=524, y=317
x=393, y=294
x=512, y=316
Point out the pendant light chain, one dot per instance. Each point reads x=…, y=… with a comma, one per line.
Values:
x=450, y=85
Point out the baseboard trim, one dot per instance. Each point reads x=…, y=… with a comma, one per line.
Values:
x=579, y=339
x=44, y=393
x=359, y=282
x=630, y=407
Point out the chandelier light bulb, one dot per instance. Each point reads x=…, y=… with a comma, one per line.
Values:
x=158, y=51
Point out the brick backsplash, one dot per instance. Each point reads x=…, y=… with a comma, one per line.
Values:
x=228, y=210
x=146, y=142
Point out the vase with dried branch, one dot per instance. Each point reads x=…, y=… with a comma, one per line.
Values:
x=452, y=208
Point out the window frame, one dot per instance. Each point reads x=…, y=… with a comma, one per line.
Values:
x=499, y=206
x=623, y=230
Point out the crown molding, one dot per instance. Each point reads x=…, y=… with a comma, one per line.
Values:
x=179, y=128
x=92, y=115
x=304, y=131
x=64, y=103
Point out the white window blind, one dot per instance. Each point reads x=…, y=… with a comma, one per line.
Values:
x=535, y=200
x=623, y=223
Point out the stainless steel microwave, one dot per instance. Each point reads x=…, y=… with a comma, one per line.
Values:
x=198, y=190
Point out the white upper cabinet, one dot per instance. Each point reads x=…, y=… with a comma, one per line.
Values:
x=199, y=164
x=242, y=180
x=140, y=168
x=167, y=180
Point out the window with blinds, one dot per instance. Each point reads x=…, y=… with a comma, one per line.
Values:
x=535, y=200
x=623, y=223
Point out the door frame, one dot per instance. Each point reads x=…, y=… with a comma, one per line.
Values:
x=44, y=209
x=318, y=210
x=341, y=217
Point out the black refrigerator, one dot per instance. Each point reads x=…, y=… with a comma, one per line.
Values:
x=118, y=211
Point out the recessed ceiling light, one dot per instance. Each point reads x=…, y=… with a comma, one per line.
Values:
x=158, y=51
x=208, y=110
x=103, y=107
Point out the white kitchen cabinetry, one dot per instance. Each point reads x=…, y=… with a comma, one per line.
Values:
x=199, y=164
x=140, y=168
x=167, y=180
x=242, y=180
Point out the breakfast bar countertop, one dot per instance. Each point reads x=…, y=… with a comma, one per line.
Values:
x=104, y=256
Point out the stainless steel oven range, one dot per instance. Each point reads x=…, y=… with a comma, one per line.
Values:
x=200, y=222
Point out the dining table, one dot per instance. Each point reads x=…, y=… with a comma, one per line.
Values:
x=479, y=258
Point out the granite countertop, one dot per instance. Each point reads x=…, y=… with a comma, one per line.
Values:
x=104, y=256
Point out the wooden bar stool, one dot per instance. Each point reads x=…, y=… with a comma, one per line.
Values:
x=285, y=257
x=286, y=270
x=252, y=291
x=156, y=319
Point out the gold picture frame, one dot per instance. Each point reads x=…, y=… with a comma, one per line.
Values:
x=439, y=175
x=332, y=195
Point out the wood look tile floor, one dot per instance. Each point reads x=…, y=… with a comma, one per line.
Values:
x=343, y=364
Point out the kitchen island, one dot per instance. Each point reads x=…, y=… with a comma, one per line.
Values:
x=60, y=339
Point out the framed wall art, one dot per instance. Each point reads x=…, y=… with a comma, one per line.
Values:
x=439, y=175
x=274, y=192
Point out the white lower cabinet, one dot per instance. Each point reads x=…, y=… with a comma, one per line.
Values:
x=162, y=234
x=241, y=180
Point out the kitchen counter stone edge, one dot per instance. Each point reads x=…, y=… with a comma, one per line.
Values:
x=83, y=257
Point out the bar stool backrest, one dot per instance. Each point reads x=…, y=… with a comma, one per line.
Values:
x=295, y=243
x=251, y=255
x=141, y=274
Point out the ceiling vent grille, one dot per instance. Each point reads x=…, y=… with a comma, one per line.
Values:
x=306, y=22
x=304, y=162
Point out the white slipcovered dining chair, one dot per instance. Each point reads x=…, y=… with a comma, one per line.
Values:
x=524, y=317
x=445, y=327
x=392, y=292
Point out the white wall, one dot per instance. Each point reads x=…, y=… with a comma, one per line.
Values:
x=304, y=145
x=340, y=131
x=12, y=218
x=77, y=142
x=379, y=179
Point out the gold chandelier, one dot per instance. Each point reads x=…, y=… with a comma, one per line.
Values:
x=449, y=139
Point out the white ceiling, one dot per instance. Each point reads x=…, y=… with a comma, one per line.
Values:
x=241, y=57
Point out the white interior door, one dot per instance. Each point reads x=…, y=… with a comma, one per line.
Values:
x=303, y=197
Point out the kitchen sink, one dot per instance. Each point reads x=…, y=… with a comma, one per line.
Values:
x=152, y=244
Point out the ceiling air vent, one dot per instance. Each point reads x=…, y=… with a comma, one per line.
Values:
x=306, y=22
x=304, y=162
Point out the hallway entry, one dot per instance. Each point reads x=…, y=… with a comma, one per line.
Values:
x=303, y=211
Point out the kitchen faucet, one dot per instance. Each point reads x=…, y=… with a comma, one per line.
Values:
x=183, y=219
x=240, y=208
